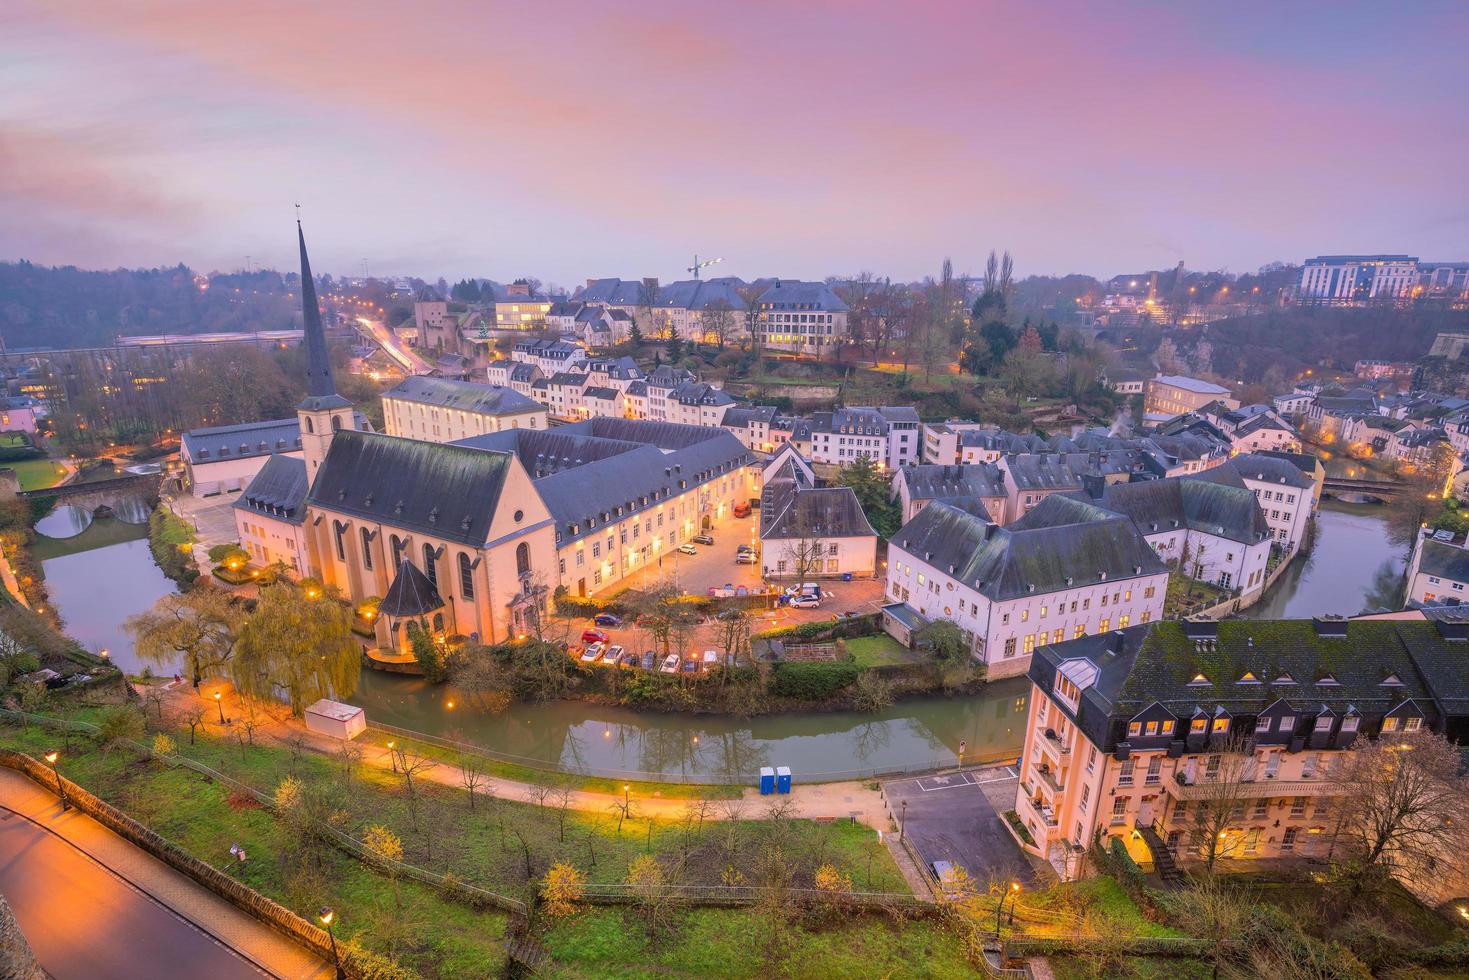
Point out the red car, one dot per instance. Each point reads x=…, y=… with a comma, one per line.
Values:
x=593, y=636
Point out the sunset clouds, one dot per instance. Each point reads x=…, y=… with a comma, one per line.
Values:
x=578, y=139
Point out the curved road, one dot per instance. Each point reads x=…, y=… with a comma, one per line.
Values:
x=94, y=905
x=84, y=921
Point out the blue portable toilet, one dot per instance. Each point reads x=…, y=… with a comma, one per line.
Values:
x=767, y=780
x=783, y=779
x=846, y=576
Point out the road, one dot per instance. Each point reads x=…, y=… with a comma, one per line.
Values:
x=388, y=341
x=93, y=905
x=952, y=817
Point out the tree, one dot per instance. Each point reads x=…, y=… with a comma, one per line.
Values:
x=163, y=745
x=1402, y=798
x=200, y=626
x=719, y=321
x=563, y=886
x=650, y=891
x=1210, y=909
x=674, y=347
x=1420, y=497
x=1225, y=785
x=299, y=641
x=874, y=493
x=946, y=641
x=471, y=775
x=385, y=846
x=430, y=658
x=193, y=717
x=410, y=767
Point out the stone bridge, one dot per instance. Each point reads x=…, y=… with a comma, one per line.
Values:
x=99, y=493
x=1381, y=489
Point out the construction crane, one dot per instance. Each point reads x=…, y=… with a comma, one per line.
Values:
x=701, y=265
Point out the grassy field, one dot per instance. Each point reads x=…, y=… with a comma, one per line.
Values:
x=592, y=784
x=37, y=474
x=101, y=533
x=489, y=846
x=881, y=649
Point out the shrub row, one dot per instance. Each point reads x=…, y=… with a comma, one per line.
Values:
x=812, y=680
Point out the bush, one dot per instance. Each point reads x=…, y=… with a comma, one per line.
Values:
x=14, y=454
x=426, y=653
x=171, y=540
x=120, y=722
x=222, y=551
x=812, y=681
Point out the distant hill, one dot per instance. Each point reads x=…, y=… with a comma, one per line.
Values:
x=65, y=306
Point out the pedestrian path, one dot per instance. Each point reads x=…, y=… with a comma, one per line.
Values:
x=267, y=949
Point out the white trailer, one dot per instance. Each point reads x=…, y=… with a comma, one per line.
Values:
x=343, y=721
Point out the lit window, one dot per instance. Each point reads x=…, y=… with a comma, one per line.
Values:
x=1221, y=725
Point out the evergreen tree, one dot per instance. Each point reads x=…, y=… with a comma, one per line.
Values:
x=675, y=349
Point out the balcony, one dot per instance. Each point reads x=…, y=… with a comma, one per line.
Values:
x=1181, y=788
x=1050, y=744
x=1049, y=778
x=1027, y=807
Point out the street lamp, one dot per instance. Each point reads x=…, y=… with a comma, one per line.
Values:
x=329, y=916
x=219, y=703
x=392, y=755
x=51, y=758
x=999, y=909
x=902, y=821
x=626, y=794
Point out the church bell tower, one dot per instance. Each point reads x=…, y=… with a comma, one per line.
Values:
x=323, y=411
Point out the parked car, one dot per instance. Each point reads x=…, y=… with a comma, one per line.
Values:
x=744, y=549
x=670, y=664
x=687, y=549
x=593, y=636
x=607, y=619
x=806, y=601
x=746, y=558
x=611, y=657
x=591, y=654
x=691, y=666
x=742, y=509
x=702, y=539
x=650, y=660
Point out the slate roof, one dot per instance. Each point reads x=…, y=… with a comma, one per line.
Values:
x=606, y=394
x=278, y=490
x=411, y=594
x=699, y=393
x=1158, y=662
x=740, y=416
x=1444, y=560
x=792, y=294
x=1060, y=544
x=822, y=512
x=468, y=396
x=587, y=469
x=1040, y=472
x=899, y=413
x=448, y=491
x=1194, y=385
x=928, y=481
x=1213, y=506
x=1305, y=462
x=243, y=441
x=1272, y=468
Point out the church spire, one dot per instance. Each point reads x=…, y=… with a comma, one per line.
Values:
x=318, y=364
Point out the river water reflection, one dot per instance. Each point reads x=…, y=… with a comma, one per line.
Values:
x=1352, y=568
x=618, y=741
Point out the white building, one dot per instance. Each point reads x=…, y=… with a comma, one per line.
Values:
x=440, y=410
x=802, y=317
x=1064, y=570
x=1438, y=573
x=550, y=356
x=808, y=531
x=1349, y=279
x=1286, y=495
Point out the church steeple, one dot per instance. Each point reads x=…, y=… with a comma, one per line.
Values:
x=322, y=412
x=319, y=386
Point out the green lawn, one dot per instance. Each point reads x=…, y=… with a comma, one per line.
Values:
x=732, y=943
x=37, y=474
x=488, y=846
x=881, y=649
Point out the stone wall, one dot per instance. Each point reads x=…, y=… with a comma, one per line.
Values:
x=16, y=958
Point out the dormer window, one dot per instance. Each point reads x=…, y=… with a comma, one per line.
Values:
x=1198, y=725
x=1349, y=723
x=1287, y=723
x=1327, y=680
x=1262, y=724
x=1248, y=677
x=1199, y=681
x=1323, y=723
x=1389, y=724
x=1284, y=679
x=1412, y=724
x=1221, y=725
x=1391, y=680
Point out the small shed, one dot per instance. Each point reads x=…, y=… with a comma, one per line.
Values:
x=343, y=721
x=903, y=623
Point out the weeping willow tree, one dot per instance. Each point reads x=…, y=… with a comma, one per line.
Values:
x=299, y=642
x=196, y=628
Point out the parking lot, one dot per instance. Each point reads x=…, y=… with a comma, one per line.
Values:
x=955, y=817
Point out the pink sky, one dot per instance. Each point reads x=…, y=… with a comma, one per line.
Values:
x=568, y=140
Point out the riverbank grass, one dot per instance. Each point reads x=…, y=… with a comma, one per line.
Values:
x=880, y=650
x=37, y=474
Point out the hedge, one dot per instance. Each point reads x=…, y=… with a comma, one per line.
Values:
x=14, y=454
x=812, y=680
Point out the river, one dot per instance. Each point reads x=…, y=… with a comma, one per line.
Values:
x=105, y=573
x=1352, y=568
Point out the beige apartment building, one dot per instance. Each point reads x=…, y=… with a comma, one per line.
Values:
x=441, y=410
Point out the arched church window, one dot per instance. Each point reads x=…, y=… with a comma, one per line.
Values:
x=430, y=567
x=522, y=558
x=466, y=576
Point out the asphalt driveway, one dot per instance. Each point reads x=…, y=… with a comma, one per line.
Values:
x=951, y=817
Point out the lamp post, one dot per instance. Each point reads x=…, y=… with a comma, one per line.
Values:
x=328, y=917
x=51, y=758
x=902, y=821
x=1000, y=908
x=626, y=794
x=392, y=754
x=219, y=703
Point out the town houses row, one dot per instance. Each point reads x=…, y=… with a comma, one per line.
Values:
x=776, y=314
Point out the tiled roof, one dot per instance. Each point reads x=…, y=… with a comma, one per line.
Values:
x=928, y=481
x=411, y=594
x=1444, y=560
x=468, y=396
x=1212, y=506
x=792, y=294
x=243, y=441
x=821, y=512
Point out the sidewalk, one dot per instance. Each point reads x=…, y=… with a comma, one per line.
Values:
x=250, y=938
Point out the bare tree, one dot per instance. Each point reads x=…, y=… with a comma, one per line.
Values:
x=1403, y=799
x=1211, y=910
x=719, y=321
x=410, y=767
x=471, y=775
x=563, y=797
x=194, y=718
x=539, y=793
x=1224, y=786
